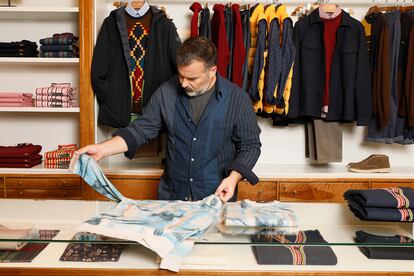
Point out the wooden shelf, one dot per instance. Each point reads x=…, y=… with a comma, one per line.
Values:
x=40, y=9
x=40, y=109
x=40, y=13
x=38, y=60
x=39, y=169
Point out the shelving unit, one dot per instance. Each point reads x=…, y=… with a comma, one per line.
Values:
x=49, y=127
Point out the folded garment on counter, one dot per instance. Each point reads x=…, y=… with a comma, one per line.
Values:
x=393, y=253
x=92, y=252
x=384, y=198
x=254, y=214
x=380, y=214
x=293, y=254
x=27, y=253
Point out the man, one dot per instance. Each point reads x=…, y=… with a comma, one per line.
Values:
x=212, y=132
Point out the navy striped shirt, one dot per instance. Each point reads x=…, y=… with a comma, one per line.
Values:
x=198, y=156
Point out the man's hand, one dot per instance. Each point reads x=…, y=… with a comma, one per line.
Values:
x=95, y=151
x=112, y=146
x=226, y=188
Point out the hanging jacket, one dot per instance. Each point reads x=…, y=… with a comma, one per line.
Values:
x=288, y=57
x=380, y=68
x=257, y=83
x=274, y=60
x=351, y=96
x=239, y=52
x=196, y=8
x=205, y=24
x=219, y=38
x=110, y=72
x=245, y=17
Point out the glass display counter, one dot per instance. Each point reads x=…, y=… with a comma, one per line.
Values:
x=220, y=249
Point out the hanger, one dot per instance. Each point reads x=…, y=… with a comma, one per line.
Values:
x=404, y=8
x=377, y=9
x=296, y=10
x=326, y=6
x=119, y=4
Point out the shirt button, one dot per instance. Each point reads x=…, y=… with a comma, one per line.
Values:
x=192, y=159
x=194, y=139
x=191, y=180
x=189, y=119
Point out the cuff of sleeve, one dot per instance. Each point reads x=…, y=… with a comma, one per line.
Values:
x=245, y=171
x=129, y=140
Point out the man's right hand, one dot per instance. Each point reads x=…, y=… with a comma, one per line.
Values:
x=110, y=147
x=96, y=151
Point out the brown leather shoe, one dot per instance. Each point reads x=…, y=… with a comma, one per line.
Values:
x=375, y=163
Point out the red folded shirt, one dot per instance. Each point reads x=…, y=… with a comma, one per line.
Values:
x=19, y=151
x=30, y=159
x=21, y=165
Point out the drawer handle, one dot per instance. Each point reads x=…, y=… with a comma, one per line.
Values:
x=63, y=182
x=295, y=192
x=20, y=193
x=65, y=193
x=20, y=183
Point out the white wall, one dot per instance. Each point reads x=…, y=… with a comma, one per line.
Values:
x=281, y=145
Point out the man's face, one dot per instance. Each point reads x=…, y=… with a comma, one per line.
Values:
x=195, y=78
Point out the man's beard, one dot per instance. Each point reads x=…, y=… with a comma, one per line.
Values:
x=191, y=93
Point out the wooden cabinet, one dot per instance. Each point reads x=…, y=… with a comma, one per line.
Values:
x=326, y=190
x=134, y=188
x=42, y=186
x=384, y=183
x=1, y=181
x=43, y=182
x=44, y=193
x=262, y=191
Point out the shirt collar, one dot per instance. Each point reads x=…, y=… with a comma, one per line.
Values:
x=346, y=19
x=137, y=13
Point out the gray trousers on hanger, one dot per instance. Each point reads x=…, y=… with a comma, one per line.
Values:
x=323, y=141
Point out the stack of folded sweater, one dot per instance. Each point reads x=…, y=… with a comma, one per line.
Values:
x=22, y=48
x=64, y=45
x=20, y=156
x=387, y=204
x=56, y=95
x=399, y=247
x=60, y=158
x=16, y=99
x=297, y=251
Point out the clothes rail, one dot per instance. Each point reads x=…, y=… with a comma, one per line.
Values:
x=364, y=3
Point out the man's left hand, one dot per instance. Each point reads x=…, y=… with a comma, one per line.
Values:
x=227, y=186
